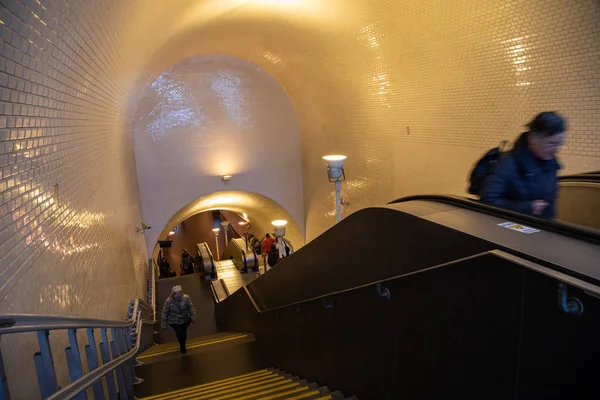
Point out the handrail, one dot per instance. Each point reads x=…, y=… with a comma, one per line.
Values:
x=17, y=323
x=151, y=294
x=72, y=390
x=563, y=228
x=591, y=178
x=125, y=344
x=225, y=287
x=242, y=252
x=208, y=261
x=593, y=175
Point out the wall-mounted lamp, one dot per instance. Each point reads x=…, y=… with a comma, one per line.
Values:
x=225, y=225
x=216, y=232
x=279, y=226
x=226, y=178
x=143, y=228
x=336, y=173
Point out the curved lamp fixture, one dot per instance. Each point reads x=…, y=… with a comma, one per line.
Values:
x=279, y=226
x=216, y=232
x=335, y=173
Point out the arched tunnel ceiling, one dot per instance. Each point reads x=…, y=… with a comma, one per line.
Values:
x=382, y=81
x=278, y=36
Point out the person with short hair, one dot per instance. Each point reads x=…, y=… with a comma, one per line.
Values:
x=178, y=312
x=526, y=181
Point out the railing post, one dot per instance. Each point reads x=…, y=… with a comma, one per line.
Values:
x=44, y=365
x=4, y=391
x=74, y=361
x=127, y=390
x=91, y=354
x=122, y=391
x=110, y=377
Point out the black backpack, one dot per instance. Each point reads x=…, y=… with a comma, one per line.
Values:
x=485, y=167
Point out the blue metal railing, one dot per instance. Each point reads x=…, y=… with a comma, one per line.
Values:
x=110, y=362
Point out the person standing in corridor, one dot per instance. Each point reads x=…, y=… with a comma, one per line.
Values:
x=179, y=313
x=267, y=243
x=526, y=180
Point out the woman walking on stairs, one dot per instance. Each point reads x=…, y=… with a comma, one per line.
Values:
x=178, y=312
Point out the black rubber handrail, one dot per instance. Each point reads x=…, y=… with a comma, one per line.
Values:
x=242, y=252
x=587, y=177
x=550, y=225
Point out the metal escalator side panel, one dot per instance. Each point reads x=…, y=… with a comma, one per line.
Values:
x=579, y=203
x=370, y=245
x=565, y=253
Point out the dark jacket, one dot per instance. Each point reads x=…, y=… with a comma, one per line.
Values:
x=520, y=178
x=178, y=312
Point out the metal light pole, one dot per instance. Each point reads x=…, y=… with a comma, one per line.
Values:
x=335, y=173
x=225, y=225
x=216, y=232
x=279, y=226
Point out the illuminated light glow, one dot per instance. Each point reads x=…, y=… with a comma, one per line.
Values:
x=321, y=11
x=171, y=233
x=279, y=222
x=242, y=223
x=272, y=57
x=226, y=177
x=215, y=230
x=334, y=158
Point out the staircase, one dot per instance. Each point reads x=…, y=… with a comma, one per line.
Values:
x=222, y=366
x=266, y=384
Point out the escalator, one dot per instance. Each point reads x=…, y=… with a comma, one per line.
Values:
x=579, y=199
x=427, y=297
x=448, y=298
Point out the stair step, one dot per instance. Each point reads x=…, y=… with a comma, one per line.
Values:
x=236, y=380
x=306, y=395
x=302, y=388
x=255, y=389
x=266, y=384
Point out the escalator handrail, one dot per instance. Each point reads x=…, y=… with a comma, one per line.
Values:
x=563, y=228
x=242, y=252
x=591, y=178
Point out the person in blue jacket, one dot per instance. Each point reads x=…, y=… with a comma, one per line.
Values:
x=526, y=180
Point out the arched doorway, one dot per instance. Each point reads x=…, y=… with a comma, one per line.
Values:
x=259, y=209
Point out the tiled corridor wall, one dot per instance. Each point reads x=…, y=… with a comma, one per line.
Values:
x=69, y=201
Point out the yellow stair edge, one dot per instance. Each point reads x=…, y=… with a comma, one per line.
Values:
x=274, y=396
x=256, y=374
x=211, y=393
x=193, y=346
x=225, y=395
